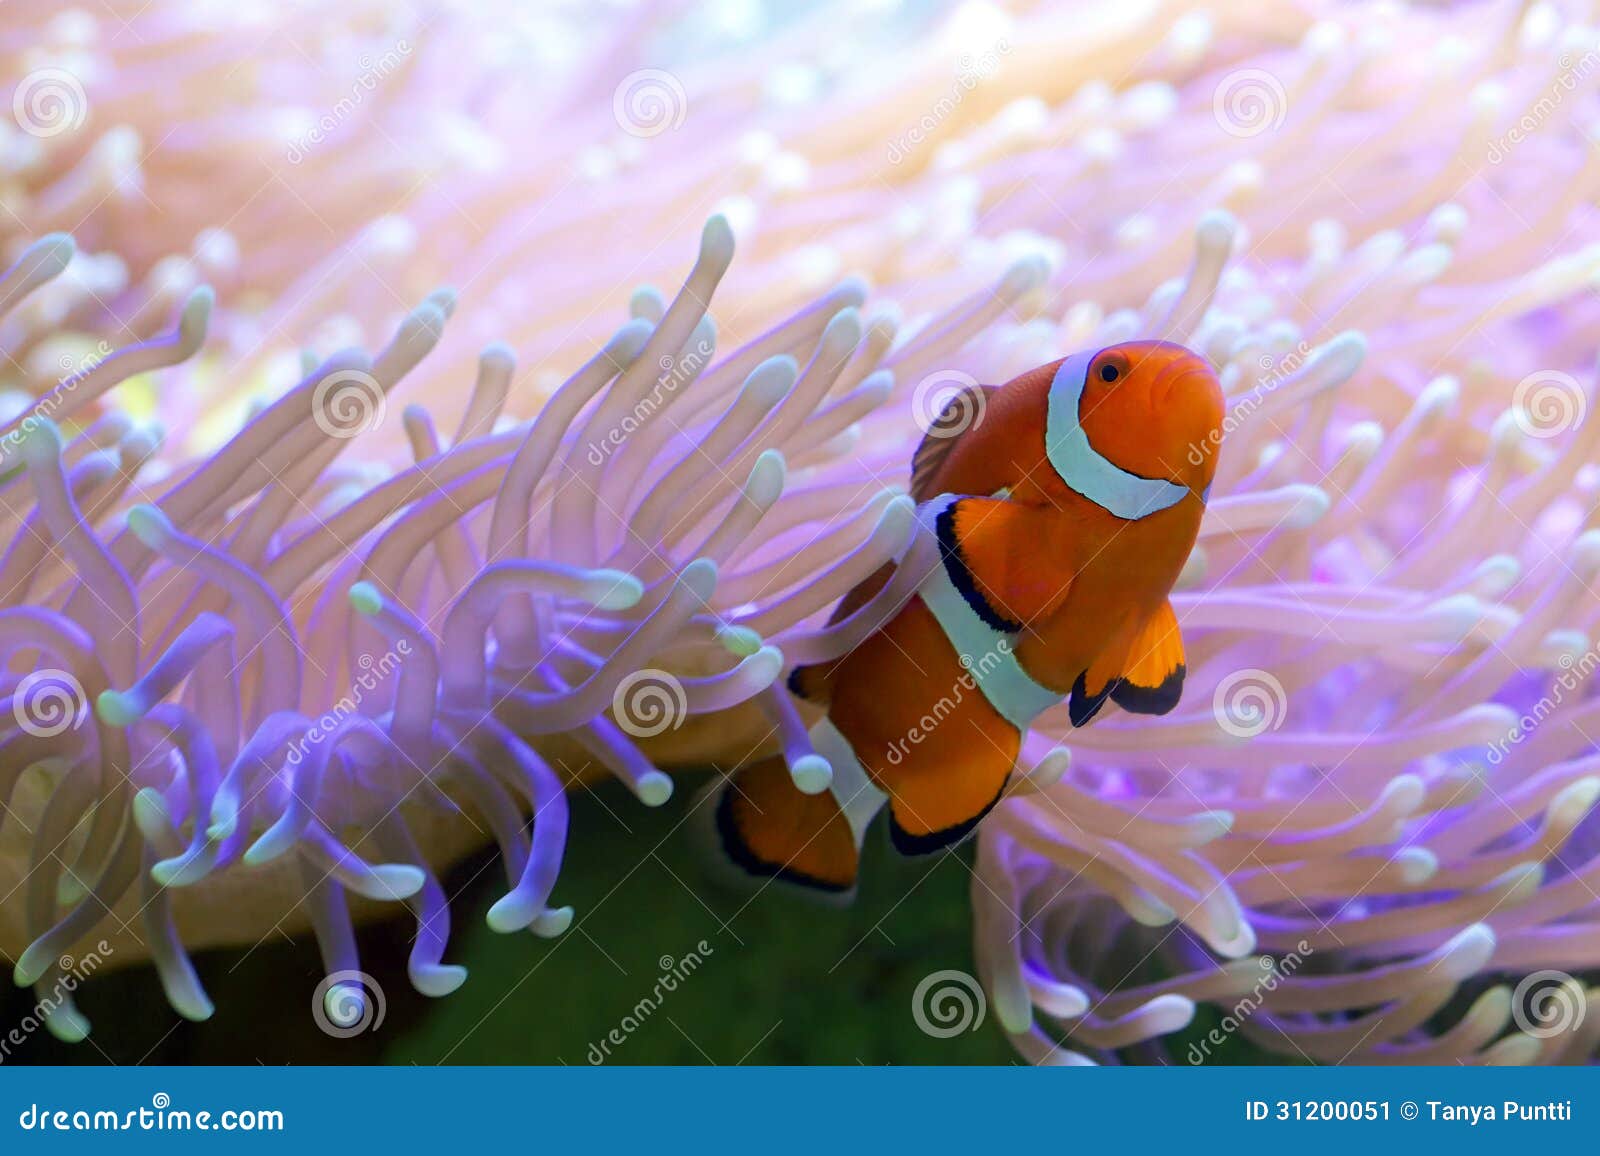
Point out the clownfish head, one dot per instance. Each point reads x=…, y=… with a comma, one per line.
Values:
x=1135, y=427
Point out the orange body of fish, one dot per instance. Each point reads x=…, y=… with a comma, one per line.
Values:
x=1063, y=505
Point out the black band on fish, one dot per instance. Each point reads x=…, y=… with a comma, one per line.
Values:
x=740, y=854
x=909, y=844
x=961, y=575
x=1083, y=706
x=1149, y=699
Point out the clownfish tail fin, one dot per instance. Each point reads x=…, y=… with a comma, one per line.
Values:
x=765, y=828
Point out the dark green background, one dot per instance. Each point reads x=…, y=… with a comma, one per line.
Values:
x=786, y=982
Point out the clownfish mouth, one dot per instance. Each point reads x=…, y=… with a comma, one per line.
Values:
x=1179, y=380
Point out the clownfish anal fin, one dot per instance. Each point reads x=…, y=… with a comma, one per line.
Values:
x=1146, y=677
x=962, y=411
x=767, y=828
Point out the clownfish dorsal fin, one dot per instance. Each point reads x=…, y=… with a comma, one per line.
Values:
x=961, y=413
x=1142, y=672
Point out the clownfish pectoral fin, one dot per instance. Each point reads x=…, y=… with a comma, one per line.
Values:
x=962, y=411
x=1152, y=674
x=767, y=828
x=1004, y=557
x=1145, y=676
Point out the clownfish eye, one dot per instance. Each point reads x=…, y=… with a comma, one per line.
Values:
x=1109, y=372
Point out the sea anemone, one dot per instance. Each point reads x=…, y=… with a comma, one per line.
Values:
x=249, y=660
x=276, y=671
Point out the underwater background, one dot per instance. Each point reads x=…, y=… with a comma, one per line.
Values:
x=340, y=341
x=789, y=983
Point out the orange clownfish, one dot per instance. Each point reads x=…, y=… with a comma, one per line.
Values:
x=1062, y=518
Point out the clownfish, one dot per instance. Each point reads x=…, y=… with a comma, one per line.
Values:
x=1062, y=518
